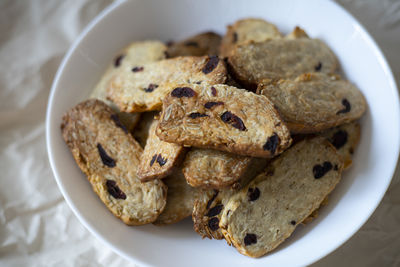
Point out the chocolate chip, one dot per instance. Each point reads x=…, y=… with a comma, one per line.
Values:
x=250, y=239
x=211, y=64
x=183, y=92
x=212, y=199
x=117, y=122
x=339, y=139
x=137, y=69
x=209, y=105
x=233, y=120
x=215, y=210
x=192, y=43
x=318, y=67
x=114, y=190
x=160, y=160
x=347, y=106
x=118, y=60
x=253, y=194
x=151, y=88
x=153, y=159
x=213, y=91
x=213, y=223
x=321, y=170
x=195, y=115
x=106, y=159
x=293, y=222
x=272, y=143
x=235, y=37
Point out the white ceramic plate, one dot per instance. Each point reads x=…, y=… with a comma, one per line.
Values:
x=352, y=202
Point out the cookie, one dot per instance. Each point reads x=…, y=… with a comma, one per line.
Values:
x=315, y=102
x=180, y=199
x=345, y=139
x=208, y=168
x=266, y=212
x=222, y=117
x=208, y=207
x=159, y=157
x=109, y=156
x=141, y=131
x=246, y=30
x=283, y=58
x=137, y=53
x=142, y=88
x=202, y=44
x=297, y=33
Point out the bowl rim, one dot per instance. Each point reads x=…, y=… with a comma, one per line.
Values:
x=378, y=53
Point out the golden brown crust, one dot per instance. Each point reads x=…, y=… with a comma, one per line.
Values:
x=202, y=44
x=143, y=88
x=297, y=33
x=223, y=118
x=314, y=102
x=159, y=157
x=109, y=156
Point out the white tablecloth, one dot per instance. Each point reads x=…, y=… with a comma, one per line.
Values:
x=36, y=226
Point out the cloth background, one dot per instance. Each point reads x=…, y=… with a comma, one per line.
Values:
x=37, y=228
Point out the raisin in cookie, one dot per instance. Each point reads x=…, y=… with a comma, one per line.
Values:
x=222, y=117
x=266, y=212
x=246, y=30
x=202, y=44
x=280, y=58
x=159, y=157
x=109, y=156
x=345, y=139
x=315, y=101
x=142, y=88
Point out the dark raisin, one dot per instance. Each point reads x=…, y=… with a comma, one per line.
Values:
x=137, y=69
x=192, y=43
x=118, y=60
x=250, y=239
x=235, y=37
x=183, y=92
x=151, y=88
x=272, y=143
x=321, y=170
x=347, y=106
x=215, y=210
x=211, y=104
x=293, y=222
x=114, y=190
x=106, y=159
x=253, y=194
x=213, y=223
x=336, y=167
x=211, y=64
x=195, y=115
x=117, y=122
x=212, y=199
x=339, y=139
x=153, y=159
x=318, y=67
x=233, y=120
x=199, y=82
x=213, y=91
x=160, y=160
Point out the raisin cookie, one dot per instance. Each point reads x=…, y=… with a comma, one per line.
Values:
x=345, y=139
x=180, y=199
x=315, y=101
x=266, y=212
x=222, y=117
x=159, y=157
x=142, y=88
x=246, y=30
x=252, y=63
x=202, y=44
x=109, y=156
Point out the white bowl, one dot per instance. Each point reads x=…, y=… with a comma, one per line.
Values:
x=351, y=203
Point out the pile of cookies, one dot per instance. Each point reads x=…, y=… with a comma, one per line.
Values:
x=248, y=133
